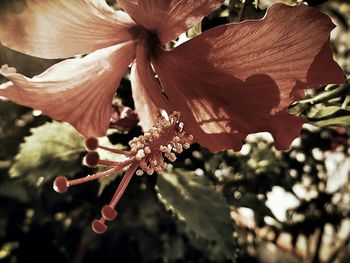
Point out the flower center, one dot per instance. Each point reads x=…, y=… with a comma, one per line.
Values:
x=148, y=154
x=147, y=38
x=162, y=141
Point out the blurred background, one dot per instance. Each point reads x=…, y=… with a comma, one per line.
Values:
x=256, y=205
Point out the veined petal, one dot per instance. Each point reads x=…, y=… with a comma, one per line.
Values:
x=144, y=105
x=61, y=28
x=168, y=18
x=79, y=91
x=238, y=79
x=146, y=91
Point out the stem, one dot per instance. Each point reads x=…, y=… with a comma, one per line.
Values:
x=123, y=184
x=127, y=153
x=340, y=249
x=110, y=163
x=316, y=255
x=345, y=102
x=241, y=12
x=94, y=176
x=327, y=95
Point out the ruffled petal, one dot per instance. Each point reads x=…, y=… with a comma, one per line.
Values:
x=168, y=18
x=61, y=28
x=146, y=91
x=78, y=91
x=238, y=79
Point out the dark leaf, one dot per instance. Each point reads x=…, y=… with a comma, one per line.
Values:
x=204, y=210
x=13, y=189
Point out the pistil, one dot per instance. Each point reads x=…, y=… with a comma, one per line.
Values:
x=147, y=155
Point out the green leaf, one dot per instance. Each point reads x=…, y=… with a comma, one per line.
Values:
x=324, y=115
x=196, y=202
x=343, y=121
x=321, y=111
x=53, y=149
x=327, y=108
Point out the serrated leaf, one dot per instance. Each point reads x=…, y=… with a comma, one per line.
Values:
x=53, y=149
x=195, y=201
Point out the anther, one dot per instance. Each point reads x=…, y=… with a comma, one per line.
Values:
x=149, y=171
x=98, y=226
x=139, y=145
x=163, y=149
x=140, y=154
x=133, y=150
x=108, y=213
x=139, y=172
x=60, y=185
x=91, y=143
x=92, y=159
x=158, y=169
x=147, y=150
x=186, y=145
x=143, y=164
x=155, y=135
x=178, y=148
x=171, y=157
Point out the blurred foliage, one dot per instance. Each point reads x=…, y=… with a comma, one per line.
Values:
x=230, y=206
x=326, y=107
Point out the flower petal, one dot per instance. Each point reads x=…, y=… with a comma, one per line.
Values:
x=144, y=105
x=79, y=91
x=146, y=90
x=240, y=78
x=169, y=18
x=61, y=28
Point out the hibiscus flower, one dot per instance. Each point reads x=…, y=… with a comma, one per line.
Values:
x=229, y=81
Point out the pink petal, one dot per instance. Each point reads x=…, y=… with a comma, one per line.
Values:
x=169, y=18
x=144, y=105
x=61, y=28
x=238, y=79
x=146, y=90
x=79, y=91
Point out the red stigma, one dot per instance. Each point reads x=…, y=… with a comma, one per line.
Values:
x=108, y=213
x=91, y=143
x=61, y=184
x=98, y=227
x=92, y=159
